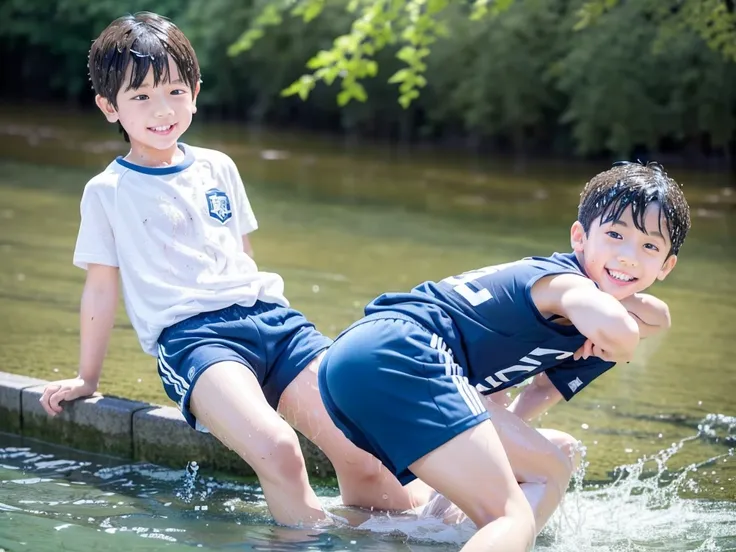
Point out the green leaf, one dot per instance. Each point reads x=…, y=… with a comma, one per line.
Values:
x=359, y=92
x=371, y=68
x=323, y=58
x=344, y=97
x=245, y=42
x=313, y=11
x=399, y=76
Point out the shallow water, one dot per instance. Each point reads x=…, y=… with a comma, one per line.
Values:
x=343, y=223
x=56, y=498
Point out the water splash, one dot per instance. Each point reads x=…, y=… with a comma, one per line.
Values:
x=671, y=500
x=646, y=506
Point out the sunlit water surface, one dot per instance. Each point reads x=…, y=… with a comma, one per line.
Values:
x=53, y=498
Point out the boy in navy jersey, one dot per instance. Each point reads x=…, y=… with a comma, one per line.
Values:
x=407, y=382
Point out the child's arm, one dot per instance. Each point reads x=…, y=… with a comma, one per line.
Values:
x=535, y=399
x=97, y=316
x=651, y=314
x=597, y=315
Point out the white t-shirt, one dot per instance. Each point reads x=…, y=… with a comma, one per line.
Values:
x=176, y=235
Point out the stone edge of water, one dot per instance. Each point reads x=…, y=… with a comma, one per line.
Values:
x=128, y=429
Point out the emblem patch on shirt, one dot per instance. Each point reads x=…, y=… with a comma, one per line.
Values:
x=219, y=205
x=574, y=384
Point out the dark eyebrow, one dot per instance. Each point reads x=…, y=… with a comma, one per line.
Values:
x=654, y=233
x=177, y=81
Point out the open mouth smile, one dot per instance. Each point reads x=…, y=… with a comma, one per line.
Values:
x=162, y=130
x=620, y=278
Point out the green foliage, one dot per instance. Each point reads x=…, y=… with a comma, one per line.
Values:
x=713, y=20
x=513, y=74
x=416, y=24
x=629, y=83
x=494, y=81
x=412, y=25
x=64, y=29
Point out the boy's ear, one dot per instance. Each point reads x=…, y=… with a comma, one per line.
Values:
x=105, y=105
x=195, y=93
x=667, y=267
x=577, y=237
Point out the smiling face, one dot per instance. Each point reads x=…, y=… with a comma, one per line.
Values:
x=632, y=221
x=154, y=114
x=621, y=258
x=146, y=76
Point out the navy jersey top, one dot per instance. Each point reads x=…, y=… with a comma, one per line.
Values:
x=489, y=321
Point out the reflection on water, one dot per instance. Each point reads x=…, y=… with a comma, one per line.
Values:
x=648, y=505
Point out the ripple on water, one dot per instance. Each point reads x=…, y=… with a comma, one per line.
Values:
x=652, y=504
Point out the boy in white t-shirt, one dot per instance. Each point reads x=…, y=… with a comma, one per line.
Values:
x=172, y=221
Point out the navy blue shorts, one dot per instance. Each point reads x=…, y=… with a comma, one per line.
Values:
x=394, y=389
x=276, y=343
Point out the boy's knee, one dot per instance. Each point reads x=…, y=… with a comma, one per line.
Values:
x=559, y=469
x=279, y=458
x=515, y=510
x=359, y=476
x=357, y=466
x=286, y=461
x=572, y=449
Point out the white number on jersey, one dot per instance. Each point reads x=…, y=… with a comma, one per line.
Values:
x=460, y=283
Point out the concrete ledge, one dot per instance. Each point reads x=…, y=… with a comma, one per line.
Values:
x=127, y=429
x=11, y=386
x=161, y=436
x=98, y=424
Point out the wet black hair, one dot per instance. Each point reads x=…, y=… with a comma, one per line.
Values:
x=636, y=185
x=146, y=40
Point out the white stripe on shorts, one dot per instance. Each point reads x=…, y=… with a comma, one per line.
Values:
x=469, y=395
x=166, y=378
x=451, y=367
x=180, y=384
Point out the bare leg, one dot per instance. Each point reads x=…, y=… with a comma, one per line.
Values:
x=541, y=468
x=228, y=400
x=472, y=471
x=363, y=480
x=568, y=444
x=540, y=460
